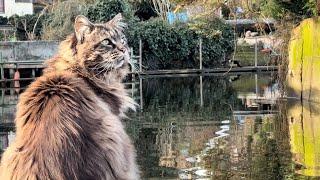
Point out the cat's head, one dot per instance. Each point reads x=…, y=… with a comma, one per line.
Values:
x=101, y=49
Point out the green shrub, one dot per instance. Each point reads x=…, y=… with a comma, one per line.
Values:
x=296, y=9
x=60, y=20
x=3, y=20
x=104, y=10
x=27, y=27
x=164, y=46
x=177, y=46
x=218, y=39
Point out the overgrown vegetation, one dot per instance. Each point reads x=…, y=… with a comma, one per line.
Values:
x=59, y=20
x=26, y=27
x=164, y=46
x=218, y=38
x=295, y=10
x=104, y=10
x=177, y=46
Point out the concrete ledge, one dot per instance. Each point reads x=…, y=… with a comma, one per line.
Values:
x=27, y=50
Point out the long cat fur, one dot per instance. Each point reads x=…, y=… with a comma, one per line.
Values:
x=68, y=122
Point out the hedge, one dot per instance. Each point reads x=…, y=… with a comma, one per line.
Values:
x=177, y=46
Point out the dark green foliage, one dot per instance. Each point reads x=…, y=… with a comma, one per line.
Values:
x=104, y=10
x=218, y=39
x=164, y=46
x=3, y=20
x=144, y=10
x=177, y=46
x=225, y=11
x=296, y=9
x=61, y=19
x=302, y=8
x=25, y=25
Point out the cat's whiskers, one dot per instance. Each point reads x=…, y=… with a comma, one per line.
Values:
x=106, y=65
x=97, y=66
x=103, y=70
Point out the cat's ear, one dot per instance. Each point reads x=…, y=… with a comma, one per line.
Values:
x=82, y=27
x=117, y=22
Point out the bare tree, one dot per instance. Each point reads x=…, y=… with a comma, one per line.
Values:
x=318, y=7
x=37, y=21
x=44, y=2
x=161, y=7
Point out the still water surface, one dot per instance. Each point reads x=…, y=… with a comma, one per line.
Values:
x=214, y=127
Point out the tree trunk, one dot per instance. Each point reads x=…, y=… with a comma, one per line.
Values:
x=318, y=7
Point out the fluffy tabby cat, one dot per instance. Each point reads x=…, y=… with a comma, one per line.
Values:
x=68, y=121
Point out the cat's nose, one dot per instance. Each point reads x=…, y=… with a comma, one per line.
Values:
x=121, y=48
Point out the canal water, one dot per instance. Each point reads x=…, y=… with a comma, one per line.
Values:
x=213, y=127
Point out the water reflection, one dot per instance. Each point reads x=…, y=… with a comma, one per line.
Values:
x=214, y=127
x=305, y=137
x=214, y=130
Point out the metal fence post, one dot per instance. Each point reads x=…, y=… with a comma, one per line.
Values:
x=140, y=55
x=256, y=82
x=256, y=53
x=200, y=49
x=1, y=66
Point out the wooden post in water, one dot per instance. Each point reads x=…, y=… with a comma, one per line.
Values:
x=16, y=78
x=11, y=73
x=256, y=53
x=141, y=95
x=133, y=84
x=200, y=52
x=1, y=67
x=132, y=64
x=2, y=103
x=140, y=55
x=11, y=76
x=33, y=73
x=256, y=82
x=2, y=96
x=201, y=91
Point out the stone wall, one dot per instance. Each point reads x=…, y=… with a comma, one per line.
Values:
x=304, y=60
x=28, y=50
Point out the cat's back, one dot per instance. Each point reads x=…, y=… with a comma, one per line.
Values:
x=64, y=131
x=47, y=130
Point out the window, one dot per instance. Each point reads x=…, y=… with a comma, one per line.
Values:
x=1, y=6
x=24, y=1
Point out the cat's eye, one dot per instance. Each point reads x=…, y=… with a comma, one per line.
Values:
x=106, y=42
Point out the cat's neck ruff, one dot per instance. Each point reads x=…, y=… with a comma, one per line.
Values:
x=108, y=80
